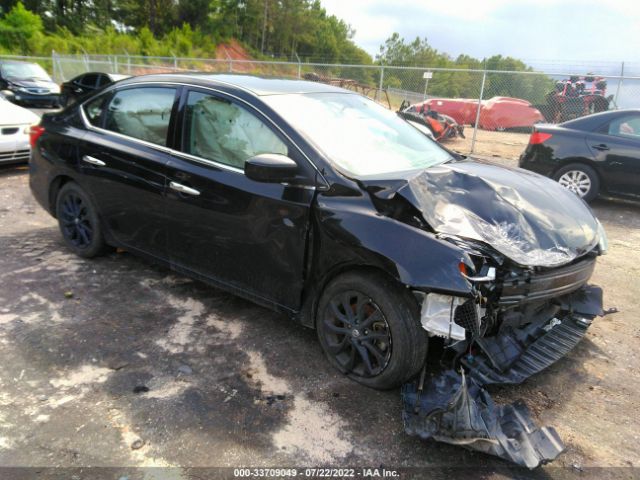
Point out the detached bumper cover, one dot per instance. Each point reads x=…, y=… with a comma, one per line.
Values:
x=456, y=410
x=514, y=356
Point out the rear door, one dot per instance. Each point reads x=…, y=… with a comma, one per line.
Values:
x=247, y=236
x=616, y=147
x=124, y=157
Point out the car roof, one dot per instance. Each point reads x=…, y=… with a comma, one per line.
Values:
x=113, y=76
x=116, y=76
x=251, y=83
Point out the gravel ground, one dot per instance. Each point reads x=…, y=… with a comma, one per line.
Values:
x=116, y=362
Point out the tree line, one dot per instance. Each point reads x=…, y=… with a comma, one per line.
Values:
x=280, y=29
x=267, y=28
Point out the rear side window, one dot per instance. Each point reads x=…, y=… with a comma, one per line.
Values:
x=224, y=132
x=88, y=80
x=93, y=110
x=628, y=126
x=103, y=80
x=141, y=113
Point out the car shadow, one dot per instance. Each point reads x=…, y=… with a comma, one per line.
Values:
x=200, y=376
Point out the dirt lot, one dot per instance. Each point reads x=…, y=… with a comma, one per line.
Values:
x=499, y=145
x=222, y=382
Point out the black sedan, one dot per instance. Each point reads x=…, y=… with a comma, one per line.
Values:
x=86, y=83
x=27, y=84
x=319, y=203
x=595, y=154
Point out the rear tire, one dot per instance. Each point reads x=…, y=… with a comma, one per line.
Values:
x=369, y=329
x=79, y=222
x=580, y=179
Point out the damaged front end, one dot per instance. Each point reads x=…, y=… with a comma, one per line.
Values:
x=518, y=321
x=528, y=248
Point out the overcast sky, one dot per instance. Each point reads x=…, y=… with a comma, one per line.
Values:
x=539, y=31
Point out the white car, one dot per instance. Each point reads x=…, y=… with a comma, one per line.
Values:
x=15, y=123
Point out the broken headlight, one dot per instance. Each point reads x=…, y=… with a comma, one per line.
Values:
x=437, y=316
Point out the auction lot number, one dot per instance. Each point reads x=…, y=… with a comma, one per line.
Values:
x=315, y=472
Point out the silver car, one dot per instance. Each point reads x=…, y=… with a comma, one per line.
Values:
x=15, y=124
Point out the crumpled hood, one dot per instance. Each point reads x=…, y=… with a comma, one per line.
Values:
x=528, y=218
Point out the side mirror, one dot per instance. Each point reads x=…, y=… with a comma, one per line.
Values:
x=270, y=168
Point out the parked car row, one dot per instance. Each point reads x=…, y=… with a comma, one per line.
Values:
x=28, y=84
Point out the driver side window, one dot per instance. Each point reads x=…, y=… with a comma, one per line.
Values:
x=218, y=130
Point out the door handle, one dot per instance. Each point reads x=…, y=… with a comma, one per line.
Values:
x=178, y=187
x=93, y=161
x=602, y=147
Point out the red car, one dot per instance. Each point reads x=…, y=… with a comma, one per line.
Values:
x=503, y=113
x=498, y=113
x=462, y=110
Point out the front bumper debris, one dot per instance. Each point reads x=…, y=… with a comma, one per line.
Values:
x=561, y=337
x=455, y=408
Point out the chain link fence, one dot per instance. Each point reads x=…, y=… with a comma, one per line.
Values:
x=497, y=108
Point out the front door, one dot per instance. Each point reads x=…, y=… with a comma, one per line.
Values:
x=248, y=236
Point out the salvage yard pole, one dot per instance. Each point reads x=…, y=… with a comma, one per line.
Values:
x=475, y=128
x=381, y=80
x=299, y=65
x=615, y=101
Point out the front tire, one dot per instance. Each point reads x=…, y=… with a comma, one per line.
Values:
x=369, y=329
x=580, y=179
x=78, y=221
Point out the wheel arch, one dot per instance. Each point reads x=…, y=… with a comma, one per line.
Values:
x=353, y=239
x=312, y=300
x=54, y=188
x=581, y=161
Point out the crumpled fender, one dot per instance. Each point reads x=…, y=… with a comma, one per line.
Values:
x=352, y=233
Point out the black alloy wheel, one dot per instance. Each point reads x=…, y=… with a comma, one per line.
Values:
x=357, y=334
x=79, y=222
x=75, y=221
x=369, y=328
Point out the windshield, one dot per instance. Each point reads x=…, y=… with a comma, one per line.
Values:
x=358, y=135
x=24, y=71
